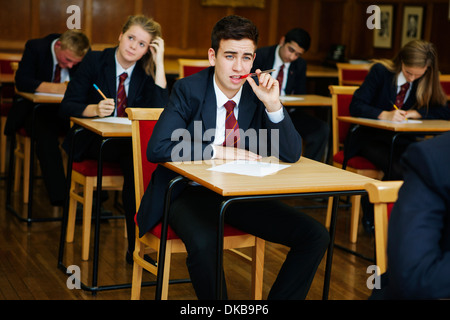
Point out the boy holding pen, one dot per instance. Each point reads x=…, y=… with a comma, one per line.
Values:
x=131, y=74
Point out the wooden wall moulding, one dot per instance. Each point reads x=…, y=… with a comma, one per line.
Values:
x=235, y=3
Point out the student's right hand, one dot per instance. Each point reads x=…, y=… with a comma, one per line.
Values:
x=394, y=115
x=105, y=107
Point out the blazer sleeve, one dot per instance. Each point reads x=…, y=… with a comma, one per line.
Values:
x=80, y=91
x=27, y=79
x=171, y=138
x=418, y=248
x=373, y=91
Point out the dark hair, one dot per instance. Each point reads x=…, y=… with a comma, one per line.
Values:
x=233, y=27
x=300, y=36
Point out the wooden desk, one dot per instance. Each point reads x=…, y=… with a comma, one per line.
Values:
x=306, y=100
x=108, y=131
x=304, y=178
x=318, y=71
x=431, y=127
x=41, y=98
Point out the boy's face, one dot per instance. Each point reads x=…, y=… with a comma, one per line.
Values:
x=233, y=59
x=290, y=51
x=66, y=58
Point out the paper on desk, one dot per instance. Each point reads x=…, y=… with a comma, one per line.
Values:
x=249, y=168
x=404, y=121
x=59, y=95
x=119, y=120
x=288, y=98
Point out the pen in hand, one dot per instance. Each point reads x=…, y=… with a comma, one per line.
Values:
x=254, y=74
x=100, y=91
x=396, y=108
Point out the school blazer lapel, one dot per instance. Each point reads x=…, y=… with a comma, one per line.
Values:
x=247, y=107
x=110, y=74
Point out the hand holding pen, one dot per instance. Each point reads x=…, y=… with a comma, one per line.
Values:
x=105, y=107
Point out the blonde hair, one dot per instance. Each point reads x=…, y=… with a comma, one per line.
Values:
x=420, y=54
x=153, y=28
x=75, y=41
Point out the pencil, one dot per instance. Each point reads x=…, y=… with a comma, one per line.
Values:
x=396, y=108
x=100, y=91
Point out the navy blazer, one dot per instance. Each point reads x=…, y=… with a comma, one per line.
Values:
x=296, y=81
x=419, y=226
x=193, y=107
x=99, y=67
x=37, y=65
x=378, y=93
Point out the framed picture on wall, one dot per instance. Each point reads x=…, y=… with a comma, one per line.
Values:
x=382, y=38
x=412, y=24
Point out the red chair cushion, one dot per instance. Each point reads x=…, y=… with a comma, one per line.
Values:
x=89, y=168
x=228, y=231
x=4, y=108
x=356, y=162
x=389, y=209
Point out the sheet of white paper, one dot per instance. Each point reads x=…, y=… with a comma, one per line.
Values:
x=404, y=121
x=249, y=168
x=59, y=95
x=286, y=98
x=120, y=120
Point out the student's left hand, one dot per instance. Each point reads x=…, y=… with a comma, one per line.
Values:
x=157, y=50
x=268, y=90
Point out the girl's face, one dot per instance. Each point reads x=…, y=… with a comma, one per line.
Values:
x=133, y=45
x=413, y=73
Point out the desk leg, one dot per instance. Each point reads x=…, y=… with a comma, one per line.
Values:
x=163, y=240
x=97, y=213
x=326, y=285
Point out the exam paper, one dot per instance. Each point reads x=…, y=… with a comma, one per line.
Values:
x=404, y=121
x=249, y=168
x=286, y=98
x=119, y=120
x=59, y=95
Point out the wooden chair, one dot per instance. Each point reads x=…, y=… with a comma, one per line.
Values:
x=341, y=97
x=143, y=121
x=188, y=67
x=6, y=98
x=22, y=155
x=83, y=184
x=350, y=74
x=445, y=83
x=382, y=194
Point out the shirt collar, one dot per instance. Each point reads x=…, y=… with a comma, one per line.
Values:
x=278, y=62
x=221, y=98
x=55, y=60
x=120, y=70
x=401, y=80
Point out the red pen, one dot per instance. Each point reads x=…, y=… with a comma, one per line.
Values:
x=254, y=74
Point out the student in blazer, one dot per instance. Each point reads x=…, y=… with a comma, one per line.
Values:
x=419, y=226
x=36, y=73
x=140, y=54
x=289, y=51
x=416, y=64
x=197, y=103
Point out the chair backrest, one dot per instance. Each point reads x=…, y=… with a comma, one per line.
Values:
x=382, y=194
x=5, y=62
x=350, y=74
x=143, y=121
x=445, y=83
x=8, y=66
x=341, y=96
x=188, y=67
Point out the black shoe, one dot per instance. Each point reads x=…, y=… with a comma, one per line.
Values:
x=368, y=225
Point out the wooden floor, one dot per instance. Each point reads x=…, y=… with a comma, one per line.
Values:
x=29, y=254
